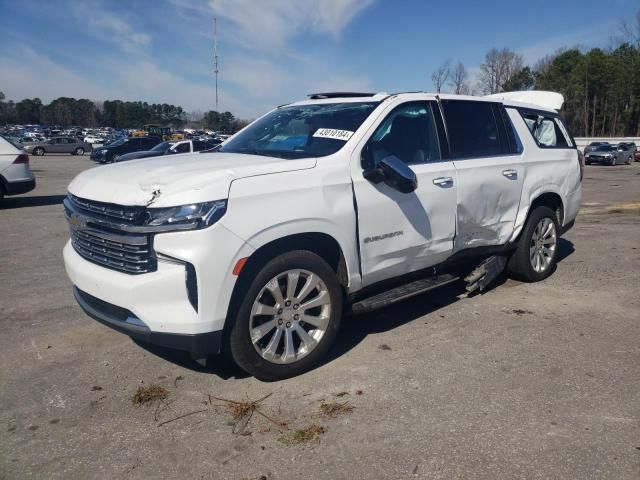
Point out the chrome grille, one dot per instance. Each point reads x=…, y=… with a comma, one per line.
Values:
x=100, y=241
x=122, y=213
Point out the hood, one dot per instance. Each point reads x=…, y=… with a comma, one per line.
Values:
x=173, y=180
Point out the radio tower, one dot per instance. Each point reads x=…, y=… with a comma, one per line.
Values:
x=215, y=55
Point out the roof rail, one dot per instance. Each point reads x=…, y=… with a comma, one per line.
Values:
x=320, y=96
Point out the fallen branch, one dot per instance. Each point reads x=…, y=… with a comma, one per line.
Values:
x=181, y=416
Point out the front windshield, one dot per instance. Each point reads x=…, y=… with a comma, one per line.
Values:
x=162, y=147
x=301, y=131
x=604, y=148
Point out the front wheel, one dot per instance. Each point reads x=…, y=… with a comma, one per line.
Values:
x=535, y=256
x=629, y=160
x=289, y=317
x=613, y=162
x=38, y=151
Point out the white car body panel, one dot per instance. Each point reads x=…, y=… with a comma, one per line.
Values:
x=9, y=171
x=196, y=178
x=539, y=98
x=271, y=198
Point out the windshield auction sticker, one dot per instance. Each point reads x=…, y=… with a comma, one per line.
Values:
x=332, y=133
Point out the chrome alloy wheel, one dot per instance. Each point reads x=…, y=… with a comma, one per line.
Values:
x=290, y=316
x=543, y=245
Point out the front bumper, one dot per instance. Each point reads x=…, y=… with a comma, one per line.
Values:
x=97, y=157
x=160, y=300
x=125, y=322
x=598, y=159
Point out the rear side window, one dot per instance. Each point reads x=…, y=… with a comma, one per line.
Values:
x=473, y=129
x=547, y=130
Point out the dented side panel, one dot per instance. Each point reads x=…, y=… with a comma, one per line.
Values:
x=489, y=191
x=553, y=170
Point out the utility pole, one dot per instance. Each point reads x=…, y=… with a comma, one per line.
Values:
x=215, y=55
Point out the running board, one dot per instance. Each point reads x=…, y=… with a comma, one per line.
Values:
x=402, y=292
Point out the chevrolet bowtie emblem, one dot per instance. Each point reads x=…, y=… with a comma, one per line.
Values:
x=77, y=222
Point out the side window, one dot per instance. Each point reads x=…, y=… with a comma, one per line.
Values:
x=408, y=132
x=473, y=129
x=547, y=131
x=183, y=148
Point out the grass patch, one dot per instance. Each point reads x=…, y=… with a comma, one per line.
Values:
x=149, y=394
x=303, y=435
x=334, y=409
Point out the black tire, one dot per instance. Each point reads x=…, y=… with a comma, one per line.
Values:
x=519, y=266
x=79, y=151
x=115, y=158
x=587, y=163
x=39, y=151
x=629, y=160
x=239, y=346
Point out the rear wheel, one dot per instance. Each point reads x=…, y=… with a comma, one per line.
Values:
x=289, y=317
x=79, y=151
x=629, y=160
x=537, y=249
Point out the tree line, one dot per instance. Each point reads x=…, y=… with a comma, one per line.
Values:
x=601, y=87
x=66, y=111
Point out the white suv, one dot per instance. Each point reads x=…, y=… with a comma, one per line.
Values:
x=342, y=201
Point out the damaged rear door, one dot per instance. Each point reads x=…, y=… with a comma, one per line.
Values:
x=487, y=158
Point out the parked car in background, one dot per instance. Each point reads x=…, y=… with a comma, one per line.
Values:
x=608, y=154
x=113, y=151
x=169, y=148
x=592, y=146
x=626, y=152
x=70, y=145
x=93, y=139
x=15, y=175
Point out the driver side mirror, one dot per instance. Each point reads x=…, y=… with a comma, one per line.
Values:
x=395, y=173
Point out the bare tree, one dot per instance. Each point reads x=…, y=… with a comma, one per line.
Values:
x=441, y=75
x=498, y=67
x=629, y=32
x=458, y=79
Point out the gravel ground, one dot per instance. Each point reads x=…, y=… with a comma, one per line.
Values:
x=525, y=381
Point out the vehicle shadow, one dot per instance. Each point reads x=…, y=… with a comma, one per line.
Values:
x=565, y=248
x=355, y=328
x=216, y=364
x=35, y=201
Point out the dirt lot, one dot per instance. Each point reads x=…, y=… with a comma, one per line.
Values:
x=526, y=381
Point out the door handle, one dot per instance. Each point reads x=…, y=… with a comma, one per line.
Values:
x=443, y=181
x=510, y=174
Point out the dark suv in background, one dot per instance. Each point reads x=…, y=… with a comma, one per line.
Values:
x=112, y=151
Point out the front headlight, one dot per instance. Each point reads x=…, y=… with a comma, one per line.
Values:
x=186, y=217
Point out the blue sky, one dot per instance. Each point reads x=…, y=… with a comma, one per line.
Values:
x=272, y=51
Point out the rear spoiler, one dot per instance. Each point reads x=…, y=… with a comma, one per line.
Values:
x=540, y=98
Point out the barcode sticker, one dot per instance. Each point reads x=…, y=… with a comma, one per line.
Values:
x=333, y=133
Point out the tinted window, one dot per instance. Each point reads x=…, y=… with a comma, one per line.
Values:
x=472, y=128
x=182, y=148
x=408, y=133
